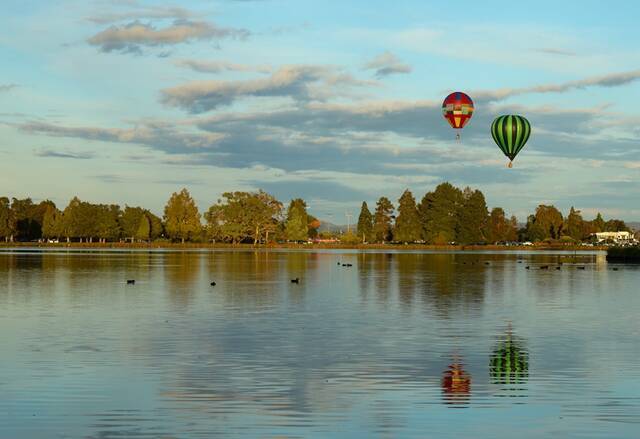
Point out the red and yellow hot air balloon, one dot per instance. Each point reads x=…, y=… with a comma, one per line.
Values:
x=457, y=108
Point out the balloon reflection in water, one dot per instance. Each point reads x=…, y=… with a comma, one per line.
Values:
x=456, y=384
x=509, y=361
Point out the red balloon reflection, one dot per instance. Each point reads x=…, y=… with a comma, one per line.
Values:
x=456, y=384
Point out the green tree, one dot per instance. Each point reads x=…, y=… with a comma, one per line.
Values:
x=382, y=220
x=574, y=225
x=181, y=216
x=107, y=222
x=439, y=213
x=28, y=218
x=313, y=226
x=7, y=225
x=72, y=221
x=498, y=226
x=244, y=215
x=144, y=229
x=52, y=223
x=512, y=231
x=472, y=218
x=130, y=221
x=156, y=226
x=407, y=227
x=547, y=223
x=615, y=225
x=598, y=224
x=365, y=224
x=296, y=225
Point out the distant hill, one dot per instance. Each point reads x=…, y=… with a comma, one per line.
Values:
x=326, y=226
x=635, y=226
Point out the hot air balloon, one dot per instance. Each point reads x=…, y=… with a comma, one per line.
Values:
x=510, y=133
x=457, y=108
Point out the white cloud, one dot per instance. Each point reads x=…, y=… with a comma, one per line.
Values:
x=221, y=66
x=131, y=37
x=610, y=80
x=141, y=12
x=387, y=64
x=299, y=82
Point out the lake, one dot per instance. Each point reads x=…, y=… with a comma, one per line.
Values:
x=400, y=344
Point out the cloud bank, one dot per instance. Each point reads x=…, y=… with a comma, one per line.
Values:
x=298, y=82
x=611, y=80
x=135, y=35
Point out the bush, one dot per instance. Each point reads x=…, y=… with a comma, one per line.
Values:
x=350, y=239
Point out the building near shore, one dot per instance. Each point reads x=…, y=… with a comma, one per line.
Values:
x=622, y=237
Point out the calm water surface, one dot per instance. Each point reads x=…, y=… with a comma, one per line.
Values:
x=398, y=345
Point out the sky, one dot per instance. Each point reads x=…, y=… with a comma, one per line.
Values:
x=127, y=101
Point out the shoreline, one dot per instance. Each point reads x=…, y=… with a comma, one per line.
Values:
x=203, y=246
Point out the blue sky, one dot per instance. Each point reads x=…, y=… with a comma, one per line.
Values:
x=127, y=101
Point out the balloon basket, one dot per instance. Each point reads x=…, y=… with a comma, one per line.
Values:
x=510, y=165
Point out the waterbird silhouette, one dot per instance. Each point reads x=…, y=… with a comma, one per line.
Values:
x=213, y=284
x=615, y=268
x=544, y=267
x=295, y=281
x=558, y=267
x=131, y=281
x=527, y=267
x=582, y=267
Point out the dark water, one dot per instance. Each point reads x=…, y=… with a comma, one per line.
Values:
x=398, y=345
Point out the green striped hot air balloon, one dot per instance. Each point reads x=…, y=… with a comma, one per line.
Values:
x=510, y=133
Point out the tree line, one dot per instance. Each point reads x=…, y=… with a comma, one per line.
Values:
x=445, y=215
x=255, y=217
x=449, y=215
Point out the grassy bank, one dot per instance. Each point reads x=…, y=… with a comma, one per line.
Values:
x=623, y=254
x=207, y=246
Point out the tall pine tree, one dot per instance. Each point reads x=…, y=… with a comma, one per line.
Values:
x=574, y=225
x=382, y=221
x=365, y=223
x=439, y=214
x=407, y=227
x=472, y=218
x=296, y=227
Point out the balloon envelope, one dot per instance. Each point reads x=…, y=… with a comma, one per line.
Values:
x=457, y=108
x=510, y=132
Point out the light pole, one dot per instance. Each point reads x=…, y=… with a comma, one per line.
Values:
x=349, y=216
